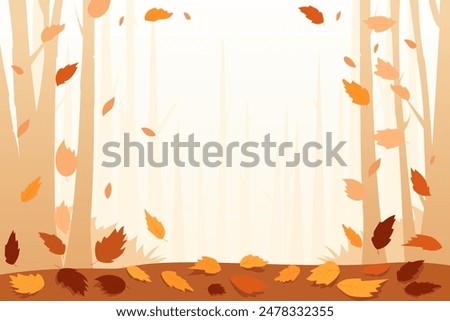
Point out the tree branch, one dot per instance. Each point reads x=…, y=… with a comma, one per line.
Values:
x=414, y=110
x=36, y=53
x=79, y=22
x=435, y=12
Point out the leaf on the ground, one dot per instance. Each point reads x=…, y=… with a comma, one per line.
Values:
x=173, y=280
x=148, y=132
x=12, y=249
x=248, y=285
x=53, y=243
x=312, y=14
x=66, y=161
x=187, y=16
x=72, y=279
x=108, y=106
x=358, y=288
x=374, y=167
x=207, y=265
x=421, y=288
x=111, y=284
x=377, y=269
x=425, y=242
x=401, y=91
x=252, y=261
x=154, y=226
x=64, y=74
x=358, y=94
x=349, y=62
x=352, y=236
x=111, y=247
x=23, y=128
x=108, y=190
x=325, y=273
x=31, y=190
x=216, y=289
x=409, y=270
x=420, y=184
x=382, y=233
x=51, y=32
x=338, y=16
x=155, y=14
x=98, y=8
x=289, y=274
x=354, y=189
x=379, y=23
x=18, y=70
x=138, y=274
x=411, y=44
x=27, y=284
x=385, y=70
x=389, y=138
x=62, y=217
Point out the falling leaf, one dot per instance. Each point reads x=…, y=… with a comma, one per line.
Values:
x=62, y=217
x=154, y=226
x=376, y=270
x=338, y=16
x=420, y=185
x=53, y=243
x=349, y=62
x=148, y=132
x=402, y=92
x=374, y=167
x=358, y=94
x=98, y=8
x=64, y=74
x=424, y=241
x=23, y=128
x=27, y=284
x=375, y=48
x=421, y=288
x=325, y=273
x=352, y=236
x=51, y=32
x=187, y=16
x=382, y=233
x=409, y=270
x=411, y=44
x=312, y=14
x=111, y=247
x=31, y=190
x=288, y=274
x=138, y=274
x=173, y=280
x=121, y=20
x=354, y=189
x=17, y=69
x=108, y=106
x=432, y=159
x=12, y=249
x=379, y=23
x=157, y=14
x=111, y=284
x=248, y=285
x=207, y=265
x=389, y=138
x=251, y=262
x=385, y=70
x=72, y=279
x=358, y=288
x=66, y=161
x=216, y=289
x=108, y=190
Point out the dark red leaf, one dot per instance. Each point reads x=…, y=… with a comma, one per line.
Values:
x=12, y=249
x=382, y=233
x=420, y=288
x=216, y=289
x=72, y=279
x=111, y=284
x=409, y=270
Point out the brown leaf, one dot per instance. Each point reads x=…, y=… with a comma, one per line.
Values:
x=155, y=14
x=358, y=94
x=312, y=14
x=111, y=284
x=382, y=233
x=424, y=241
x=355, y=190
x=23, y=128
x=148, y=132
x=248, y=285
x=338, y=16
x=352, y=236
x=111, y=247
x=66, y=161
x=12, y=249
x=376, y=270
x=17, y=69
x=64, y=74
x=409, y=270
x=62, y=217
x=53, y=243
x=389, y=138
x=121, y=20
x=31, y=190
x=108, y=190
x=349, y=62
x=375, y=48
x=98, y=8
x=374, y=167
x=187, y=16
x=108, y=106
x=385, y=70
x=216, y=289
x=72, y=279
x=402, y=92
x=420, y=288
x=51, y=32
x=379, y=23
x=411, y=44
x=420, y=185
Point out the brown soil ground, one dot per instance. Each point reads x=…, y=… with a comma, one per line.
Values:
x=301, y=289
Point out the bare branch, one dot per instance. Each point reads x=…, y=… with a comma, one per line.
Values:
x=36, y=53
x=79, y=23
x=414, y=110
x=435, y=12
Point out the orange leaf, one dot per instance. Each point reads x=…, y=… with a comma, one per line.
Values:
x=121, y=20
x=385, y=70
x=374, y=167
x=148, y=132
x=17, y=69
x=420, y=185
x=379, y=23
x=424, y=241
x=187, y=16
x=338, y=16
x=376, y=270
x=31, y=190
x=111, y=247
x=352, y=236
x=62, y=217
x=64, y=74
x=375, y=48
x=53, y=243
x=248, y=285
x=355, y=190
x=66, y=161
x=108, y=190
x=23, y=128
x=157, y=14
x=411, y=44
x=312, y=14
x=359, y=94
x=349, y=62
x=403, y=92
x=98, y=8
x=389, y=138
x=108, y=106
x=154, y=226
x=51, y=32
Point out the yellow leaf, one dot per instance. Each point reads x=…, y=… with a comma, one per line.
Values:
x=352, y=236
x=325, y=273
x=155, y=226
x=27, y=284
x=358, y=288
x=173, y=280
x=288, y=274
x=207, y=265
x=138, y=274
x=358, y=94
x=250, y=262
x=31, y=190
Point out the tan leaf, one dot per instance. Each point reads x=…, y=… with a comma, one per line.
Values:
x=288, y=274
x=357, y=288
x=374, y=167
x=31, y=190
x=325, y=273
x=23, y=128
x=187, y=16
x=352, y=236
x=108, y=190
x=358, y=94
x=121, y=20
x=17, y=69
x=402, y=92
x=379, y=23
x=207, y=265
x=338, y=16
x=66, y=161
x=138, y=274
x=250, y=262
x=375, y=48
x=51, y=32
x=108, y=106
x=385, y=70
x=154, y=226
x=349, y=62
x=389, y=138
x=27, y=284
x=411, y=44
x=148, y=132
x=98, y=8
x=355, y=190
x=173, y=280
x=62, y=217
